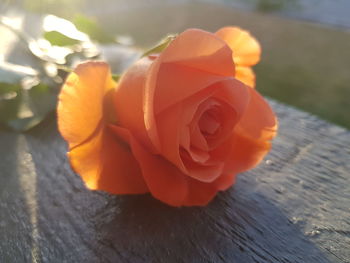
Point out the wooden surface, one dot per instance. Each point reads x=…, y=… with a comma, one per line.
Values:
x=295, y=207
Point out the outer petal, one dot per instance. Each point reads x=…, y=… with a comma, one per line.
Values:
x=246, y=49
x=201, y=50
x=246, y=52
x=164, y=180
x=250, y=141
x=200, y=193
x=246, y=75
x=245, y=153
x=80, y=107
x=99, y=157
x=259, y=121
x=225, y=181
x=106, y=163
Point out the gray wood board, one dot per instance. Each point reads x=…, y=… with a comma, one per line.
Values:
x=294, y=207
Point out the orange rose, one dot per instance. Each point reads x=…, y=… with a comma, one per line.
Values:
x=179, y=125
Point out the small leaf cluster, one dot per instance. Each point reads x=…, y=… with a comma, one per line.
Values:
x=32, y=68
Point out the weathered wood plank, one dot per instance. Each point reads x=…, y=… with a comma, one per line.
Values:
x=295, y=207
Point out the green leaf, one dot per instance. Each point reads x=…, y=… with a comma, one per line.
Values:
x=58, y=39
x=61, y=32
x=90, y=26
x=11, y=77
x=33, y=106
x=36, y=104
x=163, y=44
x=6, y=88
x=9, y=101
x=28, y=92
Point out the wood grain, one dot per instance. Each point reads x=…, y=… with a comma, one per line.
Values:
x=295, y=207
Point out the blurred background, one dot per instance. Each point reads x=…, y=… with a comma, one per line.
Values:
x=306, y=43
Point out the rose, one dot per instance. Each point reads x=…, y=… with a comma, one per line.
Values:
x=180, y=124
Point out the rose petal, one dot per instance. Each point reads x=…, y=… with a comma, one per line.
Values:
x=234, y=93
x=246, y=49
x=198, y=140
x=225, y=181
x=199, y=194
x=198, y=155
x=164, y=180
x=169, y=126
x=258, y=121
x=80, y=107
x=128, y=102
x=246, y=75
x=204, y=172
x=210, y=54
x=246, y=52
x=177, y=83
x=245, y=153
x=222, y=153
x=106, y=163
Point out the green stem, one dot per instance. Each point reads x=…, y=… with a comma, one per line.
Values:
x=163, y=44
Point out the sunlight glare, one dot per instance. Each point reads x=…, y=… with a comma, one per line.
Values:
x=28, y=184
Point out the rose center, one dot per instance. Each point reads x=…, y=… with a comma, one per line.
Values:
x=209, y=123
